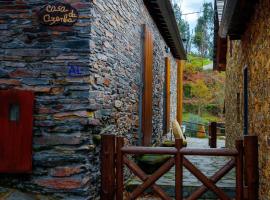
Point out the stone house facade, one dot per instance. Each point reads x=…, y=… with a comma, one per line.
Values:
x=87, y=80
x=247, y=79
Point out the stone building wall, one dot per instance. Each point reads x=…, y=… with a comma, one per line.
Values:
x=117, y=65
x=252, y=51
x=106, y=45
x=39, y=58
x=117, y=55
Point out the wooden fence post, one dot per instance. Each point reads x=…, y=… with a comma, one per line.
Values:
x=251, y=162
x=107, y=167
x=213, y=135
x=119, y=168
x=178, y=170
x=239, y=170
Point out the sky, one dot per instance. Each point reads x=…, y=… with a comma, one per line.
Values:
x=189, y=6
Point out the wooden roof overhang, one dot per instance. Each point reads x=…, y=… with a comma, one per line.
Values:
x=220, y=44
x=163, y=15
x=235, y=18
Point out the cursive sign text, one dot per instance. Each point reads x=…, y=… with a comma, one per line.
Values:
x=58, y=14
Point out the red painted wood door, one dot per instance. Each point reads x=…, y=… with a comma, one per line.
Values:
x=16, y=125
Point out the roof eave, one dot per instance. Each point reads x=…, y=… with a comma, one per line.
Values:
x=236, y=15
x=163, y=15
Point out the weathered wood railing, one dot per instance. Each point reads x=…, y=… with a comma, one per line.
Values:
x=115, y=155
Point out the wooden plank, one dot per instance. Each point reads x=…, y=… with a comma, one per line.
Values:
x=239, y=170
x=148, y=88
x=221, y=53
x=168, y=94
x=180, y=66
x=252, y=166
x=107, y=167
x=178, y=170
x=208, y=183
x=148, y=150
x=119, y=168
x=138, y=172
x=152, y=179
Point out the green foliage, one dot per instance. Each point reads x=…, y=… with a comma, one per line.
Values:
x=195, y=64
x=201, y=93
x=213, y=109
x=190, y=108
x=183, y=25
x=187, y=90
x=203, y=37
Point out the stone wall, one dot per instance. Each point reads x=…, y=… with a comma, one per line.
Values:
x=105, y=48
x=252, y=51
x=41, y=58
x=117, y=55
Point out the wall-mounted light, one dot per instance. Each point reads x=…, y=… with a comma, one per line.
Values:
x=167, y=49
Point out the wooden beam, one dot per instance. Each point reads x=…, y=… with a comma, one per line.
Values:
x=141, y=174
x=252, y=166
x=153, y=178
x=147, y=100
x=178, y=170
x=107, y=167
x=119, y=168
x=180, y=67
x=208, y=183
x=168, y=94
x=239, y=170
x=215, y=178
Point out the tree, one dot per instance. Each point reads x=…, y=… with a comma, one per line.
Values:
x=201, y=94
x=203, y=37
x=183, y=25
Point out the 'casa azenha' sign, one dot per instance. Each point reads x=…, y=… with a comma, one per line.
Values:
x=58, y=14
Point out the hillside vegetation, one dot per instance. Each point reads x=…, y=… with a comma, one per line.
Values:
x=203, y=92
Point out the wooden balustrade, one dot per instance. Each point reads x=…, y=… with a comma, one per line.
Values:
x=113, y=148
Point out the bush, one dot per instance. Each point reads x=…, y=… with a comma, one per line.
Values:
x=190, y=108
x=187, y=90
x=213, y=109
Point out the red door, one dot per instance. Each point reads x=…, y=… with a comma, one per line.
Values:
x=16, y=125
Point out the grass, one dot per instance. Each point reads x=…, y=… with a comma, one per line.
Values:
x=198, y=61
x=206, y=117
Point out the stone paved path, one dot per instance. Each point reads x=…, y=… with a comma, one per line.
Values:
x=208, y=165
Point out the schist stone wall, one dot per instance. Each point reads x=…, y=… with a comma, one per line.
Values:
x=117, y=65
x=87, y=80
x=43, y=59
x=252, y=51
x=116, y=56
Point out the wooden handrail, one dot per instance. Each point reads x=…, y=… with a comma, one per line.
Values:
x=115, y=155
x=149, y=150
x=184, y=151
x=209, y=152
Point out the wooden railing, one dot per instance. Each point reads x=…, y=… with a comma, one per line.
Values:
x=114, y=157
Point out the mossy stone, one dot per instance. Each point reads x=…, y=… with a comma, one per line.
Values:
x=169, y=143
x=149, y=163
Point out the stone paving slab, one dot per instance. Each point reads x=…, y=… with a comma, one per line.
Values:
x=208, y=165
